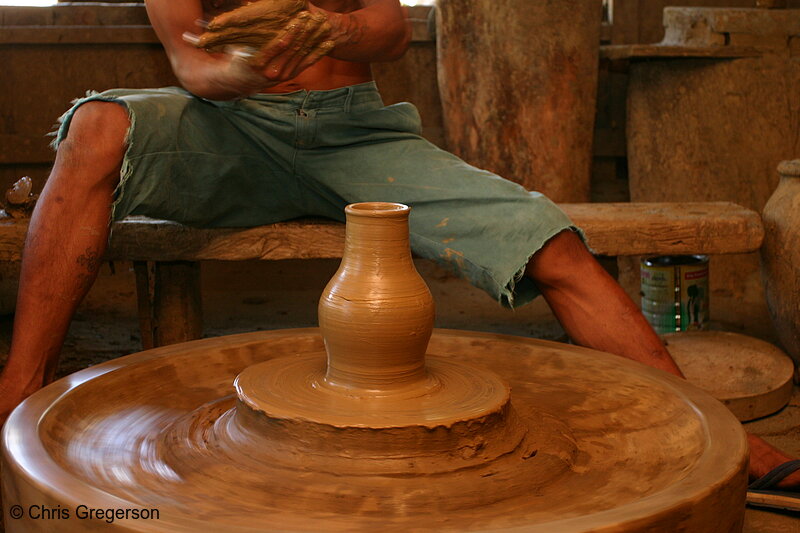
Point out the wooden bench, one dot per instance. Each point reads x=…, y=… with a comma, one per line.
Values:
x=166, y=255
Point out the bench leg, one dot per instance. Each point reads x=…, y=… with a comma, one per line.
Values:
x=169, y=302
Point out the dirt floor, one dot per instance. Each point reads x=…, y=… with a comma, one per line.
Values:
x=248, y=296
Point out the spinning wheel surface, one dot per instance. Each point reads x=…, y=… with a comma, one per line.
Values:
x=612, y=446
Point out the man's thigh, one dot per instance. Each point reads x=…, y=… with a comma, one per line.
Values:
x=201, y=163
x=473, y=222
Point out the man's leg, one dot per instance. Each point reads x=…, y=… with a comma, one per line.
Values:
x=596, y=312
x=591, y=306
x=66, y=240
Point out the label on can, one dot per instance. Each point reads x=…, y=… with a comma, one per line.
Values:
x=675, y=293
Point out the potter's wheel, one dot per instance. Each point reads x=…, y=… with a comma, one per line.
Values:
x=375, y=429
x=640, y=448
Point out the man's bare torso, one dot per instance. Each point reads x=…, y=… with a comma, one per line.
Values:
x=327, y=73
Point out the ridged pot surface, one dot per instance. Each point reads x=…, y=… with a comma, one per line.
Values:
x=376, y=313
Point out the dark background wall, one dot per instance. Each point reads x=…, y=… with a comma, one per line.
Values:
x=639, y=21
x=53, y=55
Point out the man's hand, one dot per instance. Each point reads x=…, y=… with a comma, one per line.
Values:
x=378, y=31
x=260, y=48
x=304, y=41
x=254, y=24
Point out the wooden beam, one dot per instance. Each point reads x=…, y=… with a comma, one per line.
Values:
x=17, y=35
x=18, y=149
x=126, y=34
x=71, y=14
x=660, y=51
x=612, y=229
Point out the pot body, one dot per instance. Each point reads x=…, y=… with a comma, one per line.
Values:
x=780, y=257
x=376, y=313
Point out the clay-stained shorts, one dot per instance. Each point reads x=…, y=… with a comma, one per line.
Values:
x=270, y=158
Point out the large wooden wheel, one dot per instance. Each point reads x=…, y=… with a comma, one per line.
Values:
x=606, y=445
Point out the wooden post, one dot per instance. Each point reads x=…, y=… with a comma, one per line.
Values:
x=144, y=301
x=518, y=82
x=169, y=302
x=177, y=303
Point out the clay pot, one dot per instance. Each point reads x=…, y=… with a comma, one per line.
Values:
x=376, y=313
x=780, y=257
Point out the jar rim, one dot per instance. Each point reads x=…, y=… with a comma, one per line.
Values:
x=789, y=168
x=377, y=209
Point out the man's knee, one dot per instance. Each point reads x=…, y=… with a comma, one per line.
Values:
x=561, y=258
x=97, y=133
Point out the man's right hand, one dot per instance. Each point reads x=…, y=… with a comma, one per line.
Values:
x=219, y=75
x=246, y=70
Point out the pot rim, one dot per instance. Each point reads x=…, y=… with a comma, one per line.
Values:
x=377, y=209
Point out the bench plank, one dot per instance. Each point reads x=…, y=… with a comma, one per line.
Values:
x=166, y=254
x=159, y=240
x=619, y=229
x=613, y=229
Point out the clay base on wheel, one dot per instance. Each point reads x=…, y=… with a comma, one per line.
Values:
x=604, y=444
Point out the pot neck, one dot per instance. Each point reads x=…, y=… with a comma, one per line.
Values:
x=789, y=169
x=377, y=239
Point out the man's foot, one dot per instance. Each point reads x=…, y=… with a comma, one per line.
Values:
x=764, y=458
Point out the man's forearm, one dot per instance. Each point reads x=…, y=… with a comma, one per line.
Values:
x=201, y=75
x=212, y=76
x=170, y=19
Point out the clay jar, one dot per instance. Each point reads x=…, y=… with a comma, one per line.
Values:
x=376, y=313
x=780, y=257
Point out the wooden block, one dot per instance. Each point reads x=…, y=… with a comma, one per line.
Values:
x=668, y=228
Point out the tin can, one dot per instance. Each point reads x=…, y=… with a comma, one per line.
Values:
x=675, y=292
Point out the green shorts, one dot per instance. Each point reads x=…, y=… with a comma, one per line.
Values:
x=270, y=158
